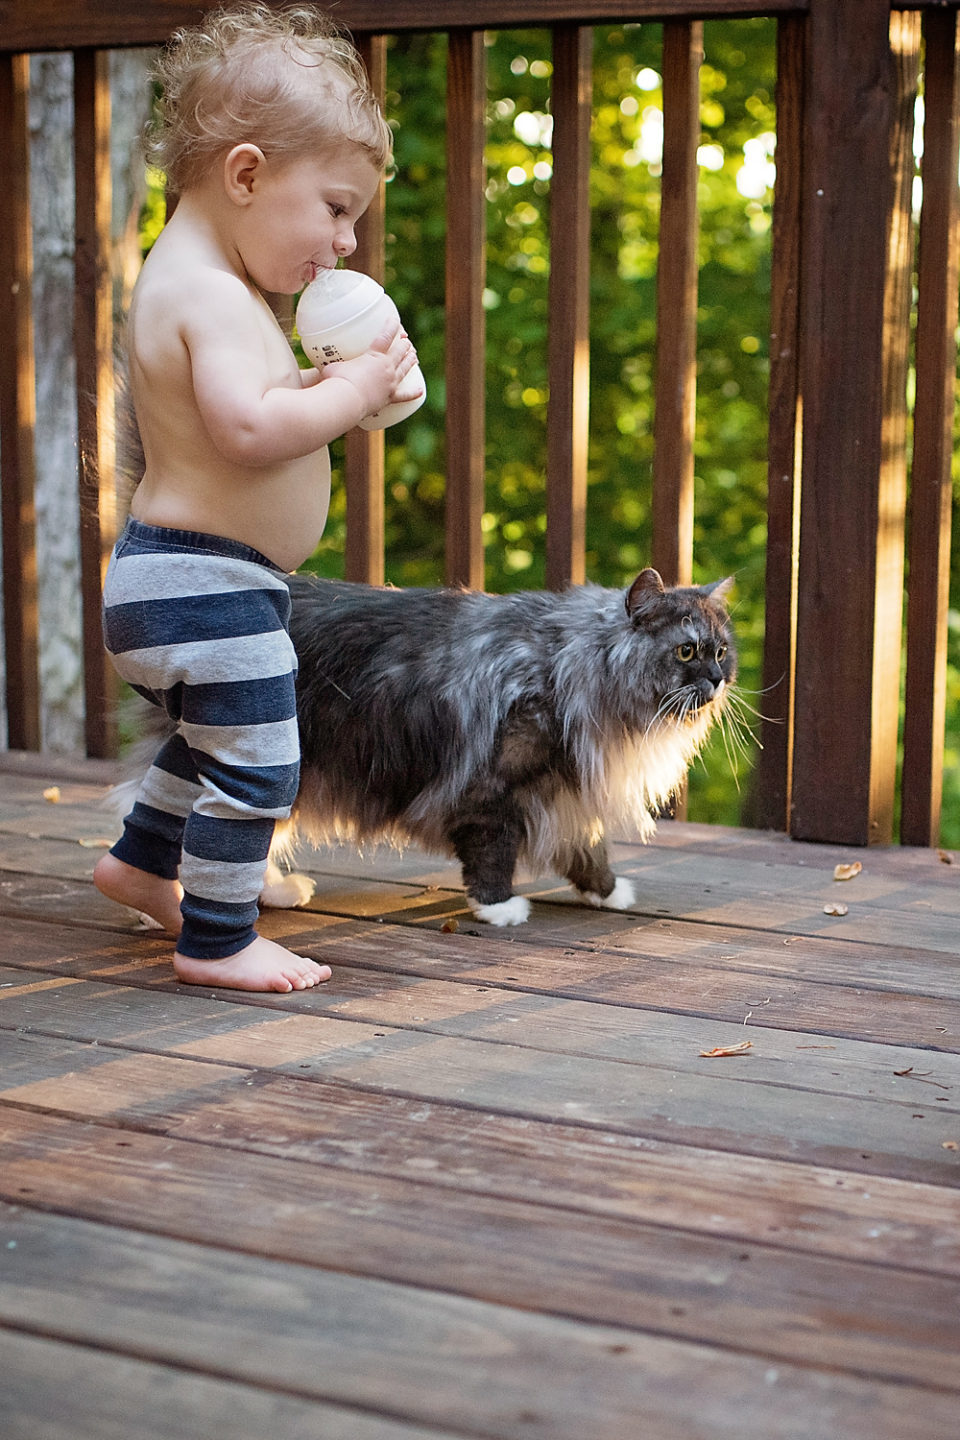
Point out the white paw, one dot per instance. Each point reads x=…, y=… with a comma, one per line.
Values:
x=508, y=912
x=286, y=892
x=621, y=897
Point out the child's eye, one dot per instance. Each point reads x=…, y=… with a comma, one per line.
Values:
x=337, y=210
x=686, y=651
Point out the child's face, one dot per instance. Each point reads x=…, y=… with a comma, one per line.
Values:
x=302, y=214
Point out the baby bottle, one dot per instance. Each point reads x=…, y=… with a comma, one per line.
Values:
x=339, y=314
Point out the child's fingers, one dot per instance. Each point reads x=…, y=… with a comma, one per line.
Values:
x=410, y=388
x=388, y=335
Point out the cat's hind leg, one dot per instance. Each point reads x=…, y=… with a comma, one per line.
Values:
x=487, y=843
x=285, y=890
x=587, y=867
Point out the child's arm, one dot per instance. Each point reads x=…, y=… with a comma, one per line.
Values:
x=252, y=418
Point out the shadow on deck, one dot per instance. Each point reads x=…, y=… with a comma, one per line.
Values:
x=484, y=1183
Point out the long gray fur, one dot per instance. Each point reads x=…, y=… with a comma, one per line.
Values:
x=503, y=728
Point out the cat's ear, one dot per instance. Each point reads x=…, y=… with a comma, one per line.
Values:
x=644, y=593
x=720, y=589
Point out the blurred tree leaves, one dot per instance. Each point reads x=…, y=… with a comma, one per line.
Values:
x=735, y=195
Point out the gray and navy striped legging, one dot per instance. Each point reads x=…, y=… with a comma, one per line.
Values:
x=199, y=625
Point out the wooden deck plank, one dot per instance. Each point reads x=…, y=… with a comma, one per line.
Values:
x=476, y=1150
x=88, y=1012
x=702, y=1103
x=208, y=1307
x=823, y=1211
x=704, y=1289
x=879, y=1009
x=694, y=1289
x=46, y=1386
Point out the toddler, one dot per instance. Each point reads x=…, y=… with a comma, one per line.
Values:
x=274, y=146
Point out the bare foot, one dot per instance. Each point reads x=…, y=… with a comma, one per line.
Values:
x=263, y=965
x=149, y=894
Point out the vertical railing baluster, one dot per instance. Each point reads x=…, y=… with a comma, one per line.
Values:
x=847, y=646
x=466, y=330
x=364, y=449
x=569, y=306
x=930, y=481
x=892, y=484
x=93, y=348
x=770, y=797
x=676, y=379
x=17, y=407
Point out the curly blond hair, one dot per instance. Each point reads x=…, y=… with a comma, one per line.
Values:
x=286, y=79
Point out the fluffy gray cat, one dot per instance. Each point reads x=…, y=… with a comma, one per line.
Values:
x=500, y=729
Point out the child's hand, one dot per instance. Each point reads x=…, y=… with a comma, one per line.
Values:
x=411, y=385
x=378, y=373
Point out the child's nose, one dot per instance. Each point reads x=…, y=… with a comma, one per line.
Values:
x=346, y=242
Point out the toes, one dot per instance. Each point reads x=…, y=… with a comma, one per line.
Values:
x=307, y=974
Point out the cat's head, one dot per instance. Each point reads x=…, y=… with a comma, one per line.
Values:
x=690, y=653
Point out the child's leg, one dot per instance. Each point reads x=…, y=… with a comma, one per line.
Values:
x=243, y=740
x=141, y=870
x=200, y=623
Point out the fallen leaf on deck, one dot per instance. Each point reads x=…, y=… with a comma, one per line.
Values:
x=950, y=1144
x=847, y=872
x=945, y=857
x=52, y=794
x=90, y=842
x=147, y=922
x=719, y=1050
x=835, y=909
x=450, y=927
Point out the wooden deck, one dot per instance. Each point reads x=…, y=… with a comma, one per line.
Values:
x=484, y=1183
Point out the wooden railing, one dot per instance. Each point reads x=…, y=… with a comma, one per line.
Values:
x=843, y=263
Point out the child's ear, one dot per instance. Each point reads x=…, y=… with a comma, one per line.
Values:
x=242, y=168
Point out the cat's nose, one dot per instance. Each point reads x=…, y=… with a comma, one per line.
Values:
x=709, y=687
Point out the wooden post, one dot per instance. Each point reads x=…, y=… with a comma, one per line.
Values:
x=466, y=329
x=17, y=405
x=364, y=449
x=93, y=346
x=930, y=481
x=770, y=794
x=677, y=283
x=851, y=541
x=569, y=307
x=676, y=379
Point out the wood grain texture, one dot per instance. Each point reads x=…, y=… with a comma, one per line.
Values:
x=399, y=1197
x=930, y=477
x=364, y=459
x=568, y=307
x=770, y=784
x=17, y=406
x=45, y=25
x=466, y=325
x=94, y=351
x=853, y=343
x=677, y=283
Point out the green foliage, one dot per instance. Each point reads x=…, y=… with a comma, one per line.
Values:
x=737, y=110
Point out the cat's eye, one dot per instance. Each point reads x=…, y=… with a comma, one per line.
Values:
x=686, y=651
x=721, y=654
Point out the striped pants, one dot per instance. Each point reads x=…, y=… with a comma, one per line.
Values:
x=199, y=626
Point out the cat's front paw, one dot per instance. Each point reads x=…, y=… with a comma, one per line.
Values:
x=506, y=912
x=286, y=892
x=621, y=897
